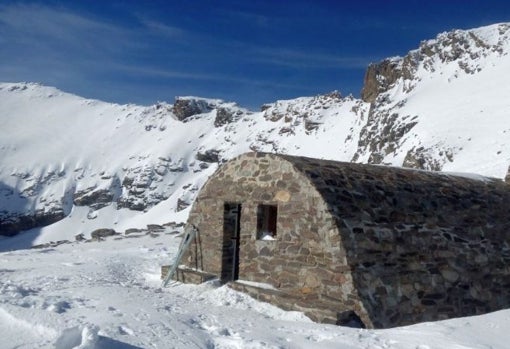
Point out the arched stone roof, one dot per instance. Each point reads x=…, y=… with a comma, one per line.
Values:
x=408, y=227
x=397, y=246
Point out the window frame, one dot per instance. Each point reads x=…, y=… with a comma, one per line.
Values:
x=267, y=222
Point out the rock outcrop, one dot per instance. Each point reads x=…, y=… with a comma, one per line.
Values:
x=380, y=77
x=184, y=107
x=12, y=224
x=463, y=47
x=389, y=84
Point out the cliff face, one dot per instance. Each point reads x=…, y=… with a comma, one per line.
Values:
x=466, y=49
x=380, y=77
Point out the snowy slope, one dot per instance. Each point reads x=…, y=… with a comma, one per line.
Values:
x=101, y=295
x=447, y=106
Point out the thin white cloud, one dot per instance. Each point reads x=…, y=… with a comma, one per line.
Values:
x=307, y=59
x=262, y=21
x=163, y=29
x=148, y=71
x=57, y=24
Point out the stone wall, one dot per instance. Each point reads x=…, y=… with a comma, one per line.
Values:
x=305, y=260
x=389, y=246
x=422, y=246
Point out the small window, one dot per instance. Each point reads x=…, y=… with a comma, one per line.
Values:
x=266, y=222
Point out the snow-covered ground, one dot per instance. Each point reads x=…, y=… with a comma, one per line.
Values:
x=108, y=295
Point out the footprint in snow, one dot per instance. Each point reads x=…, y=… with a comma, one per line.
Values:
x=58, y=307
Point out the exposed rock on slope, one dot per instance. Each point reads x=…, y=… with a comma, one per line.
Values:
x=380, y=77
x=464, y=48
x=419, y=101
x=184, y=107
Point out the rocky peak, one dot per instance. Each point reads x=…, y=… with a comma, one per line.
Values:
x=380, y=77
x=304, y=107
x=226, y=112
x=388, y=86
x=464, y=48
x=184, y=107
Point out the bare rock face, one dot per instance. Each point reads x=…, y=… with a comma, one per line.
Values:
x=223, y=117
x=181, y=205
x=380, y=77
x=302, y=108
x=422, y=159
x=93, y=198
x=382, y=135
x=98, y=234
x=13, y=224
x=211, y=155
x=387, y=126
x=460, y=46
x=507, y=178
x=185, y=107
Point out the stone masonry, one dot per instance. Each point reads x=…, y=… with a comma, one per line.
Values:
x=371, y=246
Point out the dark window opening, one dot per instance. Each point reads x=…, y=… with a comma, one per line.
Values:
x=266, y=222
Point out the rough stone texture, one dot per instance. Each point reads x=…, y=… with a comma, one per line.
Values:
x=13, y=224
x=317, y=310
x=389, y=246
x=463, y=47
x=382, y=135
x=155, y=228
x=98, y=234
x=183, y=108
x=387, y=124
x=507, y=178
x=223, y=116
x=380, y=77
x=421, y=158
x=93, y=198
x=210, y=155
x=181, y=205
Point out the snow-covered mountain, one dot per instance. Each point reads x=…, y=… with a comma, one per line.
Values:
x=443, y=106
x=87, y=164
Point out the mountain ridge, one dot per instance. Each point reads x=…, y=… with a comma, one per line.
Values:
x=139, y=164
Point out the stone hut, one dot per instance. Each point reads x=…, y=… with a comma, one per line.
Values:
x=352, y=244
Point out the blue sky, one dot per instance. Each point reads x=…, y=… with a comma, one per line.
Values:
x=251, y=52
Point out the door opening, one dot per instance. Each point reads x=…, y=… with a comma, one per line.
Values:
x=231, y=234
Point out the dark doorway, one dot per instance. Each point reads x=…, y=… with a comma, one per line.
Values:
x=231, y=233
